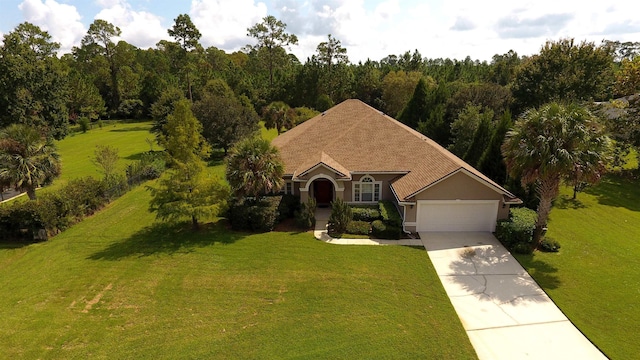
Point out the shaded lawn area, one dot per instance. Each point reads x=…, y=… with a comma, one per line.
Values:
x=595, y=278
x=119, y=286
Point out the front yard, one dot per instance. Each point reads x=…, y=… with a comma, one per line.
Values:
x=595, y=278
x=119, y=286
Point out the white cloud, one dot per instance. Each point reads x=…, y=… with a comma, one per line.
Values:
x=224, y=23
x=140, y=28
x=62, y=21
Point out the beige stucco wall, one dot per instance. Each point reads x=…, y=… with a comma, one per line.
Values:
x=386, y=179
x=459, y=186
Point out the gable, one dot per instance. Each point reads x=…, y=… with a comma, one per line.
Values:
x=460, y=186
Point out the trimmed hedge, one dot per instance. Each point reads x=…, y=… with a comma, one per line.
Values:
x=367, y=214
x=389, y=213
x=384, y=231
x=289, y=205
x=358, y=227
x=516, y=233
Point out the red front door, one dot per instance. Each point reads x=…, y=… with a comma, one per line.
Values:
x=323, y=191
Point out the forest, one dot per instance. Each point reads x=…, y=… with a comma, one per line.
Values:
x=465, y=105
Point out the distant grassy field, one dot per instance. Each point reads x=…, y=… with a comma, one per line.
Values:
x=595, y=278
x=77, y=150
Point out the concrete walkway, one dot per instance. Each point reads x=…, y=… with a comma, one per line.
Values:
x=320, y=232
x=504, y=311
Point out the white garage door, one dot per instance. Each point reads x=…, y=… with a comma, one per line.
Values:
x=461, y=215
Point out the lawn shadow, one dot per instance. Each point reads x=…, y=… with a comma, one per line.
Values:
x=566, y=202
x=135, y=128
x=543, y=272
x=617, y=191
x=162, y=238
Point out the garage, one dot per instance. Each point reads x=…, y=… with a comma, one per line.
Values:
x=457, y=215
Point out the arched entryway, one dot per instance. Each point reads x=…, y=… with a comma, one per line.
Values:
x=323, y=192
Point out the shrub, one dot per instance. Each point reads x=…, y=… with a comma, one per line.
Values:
x=549, y=244
x=384, y=231
x=252, y=215
x=150, y=166
x=358, y=227
x=340, y=217
x=517, y=231
x=84, y=124
x=367, y=214
x=289, y=205
x=306, y=216
x=389, y=213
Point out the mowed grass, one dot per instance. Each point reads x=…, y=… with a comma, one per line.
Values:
x=595, y=278
x=77, y=150
x=119, y=285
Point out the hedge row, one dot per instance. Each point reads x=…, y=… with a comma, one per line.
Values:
x=54, y=212
x=391, y=220
x=367, y=214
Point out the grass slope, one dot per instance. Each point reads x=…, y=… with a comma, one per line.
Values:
x=77, y=150
x=595, y=278
x=119, y=286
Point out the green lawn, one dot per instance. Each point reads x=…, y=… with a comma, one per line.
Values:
x=119, y=286
x=77, y=150
x=595, y=278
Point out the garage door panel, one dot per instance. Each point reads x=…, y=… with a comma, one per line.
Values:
x=457, y=215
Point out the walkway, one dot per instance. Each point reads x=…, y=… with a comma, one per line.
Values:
x=504, y=311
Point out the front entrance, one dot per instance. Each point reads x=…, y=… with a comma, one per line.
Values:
x=323, y=192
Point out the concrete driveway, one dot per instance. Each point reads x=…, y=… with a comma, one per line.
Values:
x=504, y=311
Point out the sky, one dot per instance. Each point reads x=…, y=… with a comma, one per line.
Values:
x=367, y=29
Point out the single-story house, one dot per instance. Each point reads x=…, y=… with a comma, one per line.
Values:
x=360, y=155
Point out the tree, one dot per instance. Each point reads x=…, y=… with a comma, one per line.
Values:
x=99, y=42
x=397, y=89
x=463, y=128
x=278, y=115
x=331, y=52
x=162, y=108
x=547, y=144
x=106, y=158
x=33, y=81
x=628, y=77
x=28, y=159
x=417, y=109
x=254, y=168
x=187, y=36
x=188, y=191
x=480, y=139
x=492, y=163
x=564, y=71
x=224, y=118
x=271, y=37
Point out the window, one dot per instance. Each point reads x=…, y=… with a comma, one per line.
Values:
x=366, y=190
x=288, y=187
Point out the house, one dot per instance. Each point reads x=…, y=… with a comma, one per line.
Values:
x=360, y=155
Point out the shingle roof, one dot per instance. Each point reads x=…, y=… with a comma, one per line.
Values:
x=354, y=137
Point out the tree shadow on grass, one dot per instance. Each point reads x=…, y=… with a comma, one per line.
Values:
x=543, y=272
x=618, y=191
x=169, y=239
x=566, y=202
x=135, y=128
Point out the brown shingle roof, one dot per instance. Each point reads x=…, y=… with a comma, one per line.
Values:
x=354, y=137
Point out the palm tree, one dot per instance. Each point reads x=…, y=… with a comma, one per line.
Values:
x=254, y=168
x=278, y=115
x=547, y=144
x=27, y=158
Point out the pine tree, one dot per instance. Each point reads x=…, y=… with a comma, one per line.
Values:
x=417, y=109
x=188, y=191
x=492, y=163
x=480, y=139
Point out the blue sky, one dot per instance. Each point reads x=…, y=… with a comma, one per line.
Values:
x=368, y=29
